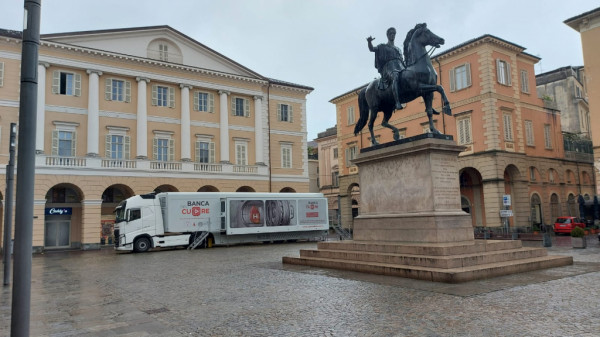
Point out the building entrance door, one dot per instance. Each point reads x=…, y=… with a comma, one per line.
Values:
x=57, y=234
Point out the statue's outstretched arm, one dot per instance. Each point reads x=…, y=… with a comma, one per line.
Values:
x=369, y=40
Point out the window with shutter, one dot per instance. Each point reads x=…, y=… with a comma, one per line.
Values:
x=503, y=72
x=529, y=133
x=464, y=131
x=286, y=156
x=1, y=74
x=63, y=143
x=460, y=77
x=508, y=134
x=203, y=152
x=524, y=81
x=160, y=95
x=284, y=113
x=548, y=136
x=161, y=149
x=240, y=107
x=204, y=101
x=241, y=156
x=65, y=83
x=351, y=119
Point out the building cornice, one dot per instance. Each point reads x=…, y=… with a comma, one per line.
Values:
x=148, y=61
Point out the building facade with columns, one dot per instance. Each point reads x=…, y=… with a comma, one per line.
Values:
x=512, y=138
x=129, y=111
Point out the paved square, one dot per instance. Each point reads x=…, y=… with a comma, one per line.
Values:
x=247, y=291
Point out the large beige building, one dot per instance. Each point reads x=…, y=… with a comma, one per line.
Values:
x=130, y=111
x=588, y=25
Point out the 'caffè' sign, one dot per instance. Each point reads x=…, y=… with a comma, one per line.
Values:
x=59, y=211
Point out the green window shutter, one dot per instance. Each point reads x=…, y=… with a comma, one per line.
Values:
x=74, y=144
x=196, y=101
x=468, y=66
x=197, y=151
x=279, y=112
x=508, y=74
x=155, y=148
x=211, y=152
x=171, y=150
x=233, y=106
x=154, y=94
x=55, y=142
x=246, y=107
x=127, y=146
x=127, y=91
x=171, y=97
x=291, y=113
x=56, y=82
x=77, y=84
x=1, y=74
x=347, y=157
x=211, y=103
x=108, y=146
x=452, y=81
x=108, y=89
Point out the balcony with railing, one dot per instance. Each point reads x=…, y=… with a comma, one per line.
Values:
x=578, y=148
x=133, y=165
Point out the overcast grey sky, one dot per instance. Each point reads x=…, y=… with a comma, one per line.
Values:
x=322, y=43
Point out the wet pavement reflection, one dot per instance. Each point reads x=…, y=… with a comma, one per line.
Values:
x=247, y=291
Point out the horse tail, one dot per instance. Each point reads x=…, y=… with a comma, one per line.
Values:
x=363, y=108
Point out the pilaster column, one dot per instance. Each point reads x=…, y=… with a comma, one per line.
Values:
x=41, y=108
x=185, y=122
x=93, y=122
x=224, y=126
x=493, y=190
x=258, y=130
x=142, y=119
x=91, y=224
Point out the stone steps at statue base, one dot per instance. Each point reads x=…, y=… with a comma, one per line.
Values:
x=450, y=263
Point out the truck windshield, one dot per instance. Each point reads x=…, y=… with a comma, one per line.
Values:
x=120, y=211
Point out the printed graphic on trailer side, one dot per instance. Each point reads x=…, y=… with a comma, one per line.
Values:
x=195, y=208
x=312, y=213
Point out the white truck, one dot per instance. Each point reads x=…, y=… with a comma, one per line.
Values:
x=193, y=219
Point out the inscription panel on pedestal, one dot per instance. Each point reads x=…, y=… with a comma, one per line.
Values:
x=446, y=186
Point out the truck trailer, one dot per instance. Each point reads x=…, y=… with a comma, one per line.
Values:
x=204, y=219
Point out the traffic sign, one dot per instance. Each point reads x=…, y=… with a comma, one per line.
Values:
x=505, y=213
x=506, y=200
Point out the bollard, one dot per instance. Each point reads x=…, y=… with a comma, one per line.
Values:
x=547, y=239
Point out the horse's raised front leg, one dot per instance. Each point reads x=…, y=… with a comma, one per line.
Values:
x=384, y=123
x=446, y=108
x=430, y=88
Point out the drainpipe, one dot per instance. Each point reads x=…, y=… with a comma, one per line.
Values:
x=441, y=98
x=269, y=133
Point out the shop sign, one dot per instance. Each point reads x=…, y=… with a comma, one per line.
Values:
x=59, y=211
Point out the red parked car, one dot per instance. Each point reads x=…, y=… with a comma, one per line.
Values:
x=564, y=224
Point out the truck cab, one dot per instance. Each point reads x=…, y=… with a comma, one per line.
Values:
x=137, y=224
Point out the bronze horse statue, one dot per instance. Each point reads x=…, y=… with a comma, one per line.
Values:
x=419, y=79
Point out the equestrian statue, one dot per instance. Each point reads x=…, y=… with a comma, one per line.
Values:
x=401, y=81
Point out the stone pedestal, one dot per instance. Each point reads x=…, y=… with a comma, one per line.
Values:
x=411, y=193
x=411, y=224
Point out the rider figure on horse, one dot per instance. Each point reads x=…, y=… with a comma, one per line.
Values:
x=389, y=63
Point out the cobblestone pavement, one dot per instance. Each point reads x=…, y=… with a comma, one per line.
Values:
x=247, y=291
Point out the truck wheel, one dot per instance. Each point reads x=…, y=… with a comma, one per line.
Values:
x=141, y=245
